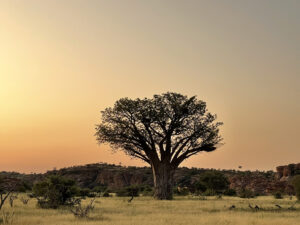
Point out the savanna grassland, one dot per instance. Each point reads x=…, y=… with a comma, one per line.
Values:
x=186, y=210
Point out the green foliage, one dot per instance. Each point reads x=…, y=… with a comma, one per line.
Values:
x=230, y=192
x=278, y=195
x=181, y=191
x=246, y=193
x=55, y=191
x=200, y=187
x=135, y=190
x=185, y=181
x=128, y=191
x=209, y=192
x=86, y=192
x=296, y=185
x=99, y=189
x=212, y=182
x=106, y=194
x=146, y=190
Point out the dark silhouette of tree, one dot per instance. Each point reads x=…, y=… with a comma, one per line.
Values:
x=6, y=190
x=162, y=131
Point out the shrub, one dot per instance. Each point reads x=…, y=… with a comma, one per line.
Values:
x=296, y=185
x=200, y=187
x=182, y=191
x=209, y=192
x=277, y=195
x=84, y=192
x=106, y=194
x=55, y=191
x=212, y=182
x=246, y=193
x=23, y=187
x=230, y=192
x=146, y=190
x=100, y=189
x=128, y=191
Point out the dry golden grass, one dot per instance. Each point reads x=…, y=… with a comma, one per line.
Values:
x=183, y=210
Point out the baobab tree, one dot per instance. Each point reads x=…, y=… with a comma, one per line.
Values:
x=162, y=131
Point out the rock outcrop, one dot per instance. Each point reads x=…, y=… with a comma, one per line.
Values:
x=284, y=173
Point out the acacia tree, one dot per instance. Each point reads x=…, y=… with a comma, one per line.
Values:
x=162, y=131
x=5, y=191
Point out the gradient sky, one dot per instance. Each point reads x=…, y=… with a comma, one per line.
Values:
x=62, y=62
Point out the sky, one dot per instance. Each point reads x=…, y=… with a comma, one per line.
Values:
x=62, y=62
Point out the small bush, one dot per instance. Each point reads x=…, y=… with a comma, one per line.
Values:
x=100, y=189
x=128, y=191
x=277, y=195
x=84, y=192
x=212, y=183
x=246, y=193
x=146, y=190
x=106, y=194
x=230, y=192
x=209, y=192
x=182, y=191
x=200, y=187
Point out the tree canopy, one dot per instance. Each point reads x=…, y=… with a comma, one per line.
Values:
x=169, y=127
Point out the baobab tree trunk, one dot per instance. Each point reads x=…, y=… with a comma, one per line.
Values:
x=163, y=175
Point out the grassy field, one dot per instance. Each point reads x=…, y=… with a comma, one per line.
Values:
x=182, y=210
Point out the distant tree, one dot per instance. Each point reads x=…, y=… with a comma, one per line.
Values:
x=55, y=191
x=5, y=191
x=296, y=185
x=162, y=131
x=213, y=182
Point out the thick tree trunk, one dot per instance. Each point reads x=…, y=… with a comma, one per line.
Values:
x=163, y=175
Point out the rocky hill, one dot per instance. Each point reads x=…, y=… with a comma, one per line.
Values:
x=116, y=177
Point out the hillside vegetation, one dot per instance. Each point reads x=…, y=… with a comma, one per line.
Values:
x=115, y=177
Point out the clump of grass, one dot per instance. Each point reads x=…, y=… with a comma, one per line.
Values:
x=7, y=217
x=80, y=211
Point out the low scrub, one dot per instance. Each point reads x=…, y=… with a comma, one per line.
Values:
x=246, y=193
x=278, y=195
x=128, y=191
x=55, y=191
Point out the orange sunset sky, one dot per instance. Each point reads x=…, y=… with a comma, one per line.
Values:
x=62, y=62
